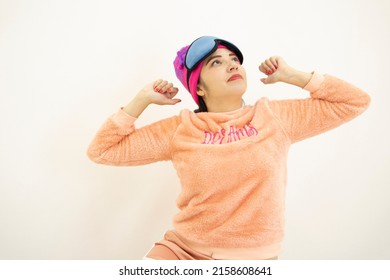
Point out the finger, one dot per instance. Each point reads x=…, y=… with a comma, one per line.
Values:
x=274, y=61
x=172, y=89
x=264, y=80
x=264, y=68
x=261, y=68
x=167, y=95
x=170, y=95
x=166, y=87
x=172, y=92
x=270, y=65
x=159, y=86
x=156, y=83
x=172, y=101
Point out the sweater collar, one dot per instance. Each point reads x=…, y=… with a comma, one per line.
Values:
x=216, y=121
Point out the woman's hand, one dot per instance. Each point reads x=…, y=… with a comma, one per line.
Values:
x=277, y=70
x=159, y=92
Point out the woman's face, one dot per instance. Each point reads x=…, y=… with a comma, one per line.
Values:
x=222, y=78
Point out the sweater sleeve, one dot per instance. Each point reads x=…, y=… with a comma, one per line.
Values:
x=118, y=142
x=332, y=103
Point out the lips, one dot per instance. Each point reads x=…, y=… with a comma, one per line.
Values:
x=235, y=77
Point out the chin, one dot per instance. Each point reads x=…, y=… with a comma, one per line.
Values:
x=238, y=90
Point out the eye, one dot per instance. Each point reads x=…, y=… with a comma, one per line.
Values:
x=216, y=62
x=236, y=59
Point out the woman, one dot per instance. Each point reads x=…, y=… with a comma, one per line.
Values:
x=230, y=158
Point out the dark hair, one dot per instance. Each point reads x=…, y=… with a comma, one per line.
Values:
x=202, y=106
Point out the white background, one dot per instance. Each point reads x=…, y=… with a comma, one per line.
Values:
x=65, y=66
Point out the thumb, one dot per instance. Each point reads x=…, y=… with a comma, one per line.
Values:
x=172, y=101
x=264, y=81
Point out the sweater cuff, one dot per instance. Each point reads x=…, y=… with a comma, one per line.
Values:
x=315, y=82
x=123, y=120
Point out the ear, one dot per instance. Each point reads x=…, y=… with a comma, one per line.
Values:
x=200, y=91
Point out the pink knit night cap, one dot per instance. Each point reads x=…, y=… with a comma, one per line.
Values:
x=181, y=72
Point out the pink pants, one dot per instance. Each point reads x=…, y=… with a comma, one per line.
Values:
x=173, y=248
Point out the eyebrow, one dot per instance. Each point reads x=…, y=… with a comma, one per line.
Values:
x=215, y=56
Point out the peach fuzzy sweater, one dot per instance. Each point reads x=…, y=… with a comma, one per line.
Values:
x=232, y=166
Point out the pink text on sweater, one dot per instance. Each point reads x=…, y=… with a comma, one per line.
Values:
x=232, y=135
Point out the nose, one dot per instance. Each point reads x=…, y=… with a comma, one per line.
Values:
x=232, y=66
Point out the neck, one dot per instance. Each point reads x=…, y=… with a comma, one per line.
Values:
x=225, y=106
